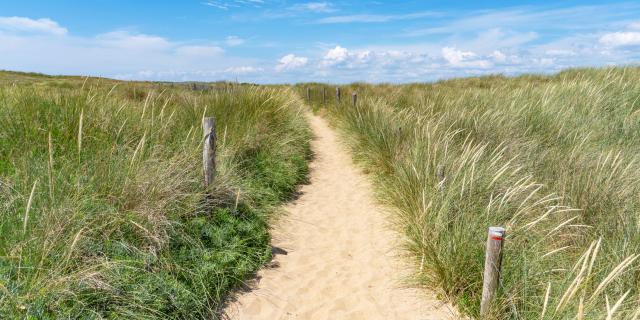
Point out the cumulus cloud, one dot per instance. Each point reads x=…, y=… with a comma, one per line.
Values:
x=350, y=59
x=23, y=24
x=620, y=39
x=335, y=55
x=291, y=62
x=463, y=59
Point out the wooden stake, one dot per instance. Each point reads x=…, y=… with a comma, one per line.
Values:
x=324, y=95
x=492, y=267
x=308, y=94
x=354, y=97
x=209, y=150
x=338, y=95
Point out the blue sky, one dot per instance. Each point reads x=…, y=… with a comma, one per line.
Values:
x=272, y=41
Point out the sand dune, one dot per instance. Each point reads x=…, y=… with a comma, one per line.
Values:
x=340, y=261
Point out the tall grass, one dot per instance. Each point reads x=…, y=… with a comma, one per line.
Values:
x=553, y=159
x=102, y=211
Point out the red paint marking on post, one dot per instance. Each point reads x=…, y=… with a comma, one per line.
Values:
x=497, y=238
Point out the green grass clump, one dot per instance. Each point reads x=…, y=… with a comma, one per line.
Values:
x=102, y=209
x=554, y=159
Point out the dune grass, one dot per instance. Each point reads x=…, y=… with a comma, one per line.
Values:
x=554, y=159
x=101, y=198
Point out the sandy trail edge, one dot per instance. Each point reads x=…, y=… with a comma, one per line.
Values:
x=341, y=262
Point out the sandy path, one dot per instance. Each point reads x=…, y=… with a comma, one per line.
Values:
x=340, y=262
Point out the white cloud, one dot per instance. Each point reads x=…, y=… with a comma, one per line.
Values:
x=234, y=41
x=455, y=57
x=371, y=18
x=217, y=4
x=130, y=41
x=464, y=59
x=243, y=70
x=619, y=39
x=498, y=56
x=353, y=59
x=634, y=25
x=226, y=4
x=572, y=18
x=118, y=54
x=314, y=7
x=291, y=62
x=23, y=24
x=335, y=56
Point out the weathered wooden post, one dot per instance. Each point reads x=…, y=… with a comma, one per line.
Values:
x=209, y=150
x=308, y=94
x=324, y=95
x=338, y=95
x=492, y=266
x=354, y=97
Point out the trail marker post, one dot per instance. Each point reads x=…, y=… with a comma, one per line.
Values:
x=354, y=97
x=209, y=150
x=308, y=94
x=324, y=95
x=338, y=95
x=492, y=267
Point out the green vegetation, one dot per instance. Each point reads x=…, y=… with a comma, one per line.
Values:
x=553, y=159
x=103, y=213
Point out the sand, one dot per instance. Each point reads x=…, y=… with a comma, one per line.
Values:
x=337, y=255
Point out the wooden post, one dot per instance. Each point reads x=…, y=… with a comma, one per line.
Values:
x=354, y=97
x=492, y=266
x=209, y=150
x=308, y=94
x=324, y=95
x=338, y=95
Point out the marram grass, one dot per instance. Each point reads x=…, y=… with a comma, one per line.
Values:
x=554, y=159
x=102, y=211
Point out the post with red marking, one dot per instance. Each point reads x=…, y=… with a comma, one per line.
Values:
x=354, y=98
x=492, y=266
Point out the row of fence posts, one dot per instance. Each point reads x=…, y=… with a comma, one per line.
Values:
x=495, y=236
x=354, y=96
